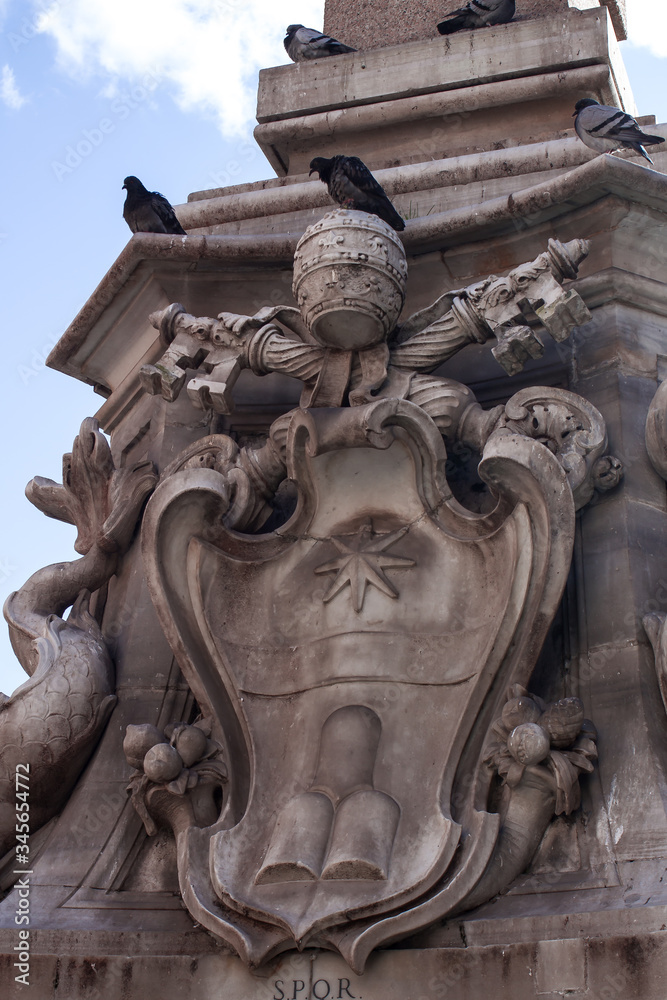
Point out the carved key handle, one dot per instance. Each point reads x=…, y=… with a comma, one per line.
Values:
x=220, y=348
x=531, y=291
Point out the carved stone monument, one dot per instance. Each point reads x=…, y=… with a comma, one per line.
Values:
x=357, y=694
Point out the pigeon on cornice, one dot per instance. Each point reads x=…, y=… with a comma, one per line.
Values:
x=306, y=43
x=351, y=185
x=607, y=129
x=148, y=211
x=478, y=14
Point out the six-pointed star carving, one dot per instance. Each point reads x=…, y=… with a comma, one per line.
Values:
x=361, y=563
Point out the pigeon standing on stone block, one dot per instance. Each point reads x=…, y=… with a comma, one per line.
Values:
x=607, y=129
x=306, y=43
x=148, y=211
x=478, y=14
x=352, y=185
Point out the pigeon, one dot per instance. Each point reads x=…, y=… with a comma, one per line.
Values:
x=148, y=211
x=306, y=43
x=478, y=14
x=607, y=129
x=352, y=185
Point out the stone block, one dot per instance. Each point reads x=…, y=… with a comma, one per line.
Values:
x=561, y=966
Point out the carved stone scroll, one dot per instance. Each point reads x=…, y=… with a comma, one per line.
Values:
x=571, y=428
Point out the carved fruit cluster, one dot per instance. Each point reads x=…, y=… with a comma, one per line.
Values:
x=164, y=757
x=531, y=733
x=178, y=760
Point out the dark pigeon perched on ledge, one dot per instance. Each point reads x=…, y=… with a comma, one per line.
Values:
x=351, y=185
x=148, y=211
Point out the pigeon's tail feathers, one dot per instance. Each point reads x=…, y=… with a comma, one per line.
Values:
x=638, y=148
x=383, y=208
x=166, y=214
x=454, y=23
x=338, y=48
x=631, y=132
x=396, y=221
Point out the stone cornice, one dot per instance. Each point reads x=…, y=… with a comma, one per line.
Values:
x=87, y=348
x=456, y=171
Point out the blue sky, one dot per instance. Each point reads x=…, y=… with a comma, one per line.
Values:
x=175, y=83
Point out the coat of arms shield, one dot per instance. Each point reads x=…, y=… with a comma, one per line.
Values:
x=350, y=659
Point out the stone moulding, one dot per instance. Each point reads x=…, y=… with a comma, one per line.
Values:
x=270, y=719
x=559, y=154
x=278, y=137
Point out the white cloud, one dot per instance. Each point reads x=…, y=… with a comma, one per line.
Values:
x=647, y=25
x=207, y=52
x=9, y=92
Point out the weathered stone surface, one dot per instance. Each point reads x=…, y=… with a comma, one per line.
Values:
x=630, y=966
x=366, y=26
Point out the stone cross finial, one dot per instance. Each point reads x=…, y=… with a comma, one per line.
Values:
x=376, y=24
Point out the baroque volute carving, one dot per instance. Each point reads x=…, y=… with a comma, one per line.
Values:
x=343, y=659
x=52, y=722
